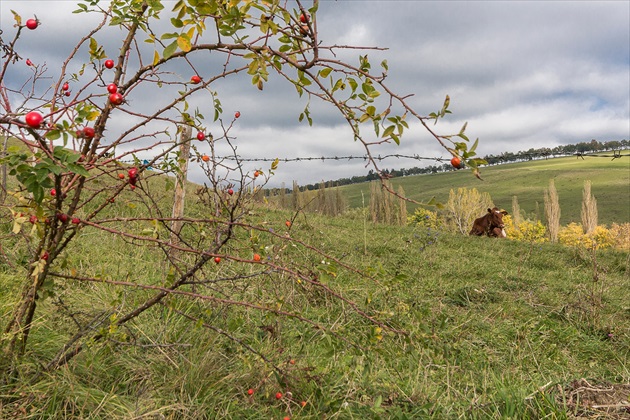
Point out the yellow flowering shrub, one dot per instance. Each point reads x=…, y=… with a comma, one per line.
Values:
x=526, y=230
x=424, y=217
x=601, y=238
x=573, y=235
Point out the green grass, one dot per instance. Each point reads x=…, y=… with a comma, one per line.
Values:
x=492, y=328
x=527, y=180
x=488, y=323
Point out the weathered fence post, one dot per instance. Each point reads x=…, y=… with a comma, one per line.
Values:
x=180, y=184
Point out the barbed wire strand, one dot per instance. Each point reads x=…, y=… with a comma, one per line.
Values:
x=511, y=157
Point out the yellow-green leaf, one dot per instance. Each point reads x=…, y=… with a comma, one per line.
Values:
x=183, y=42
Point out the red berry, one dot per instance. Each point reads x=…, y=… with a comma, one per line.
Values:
x=109, y=63
x=230, y=191
x=65, y=86
x=112, y=88
x=121, y=176
x=133, y=185
x=116, y=98
x=303, y=403
x=278, y=395
x=237, y=114
x=286, y=418
x=62, y=217
x=88, y=132
x=303, y=18
x=256, y=173
x=29, y=62
x=33, y=119
x=250, y=391
x=32, y=219
x=456, y=162
x=288, y=223
x=132, y=172
x=67, y=93
x=45, y=256
x=201, y=136
x=256, y=257
x=195, y=79
x=218, y=260
x=32, y=24
x=53, y=192
x=76, y=220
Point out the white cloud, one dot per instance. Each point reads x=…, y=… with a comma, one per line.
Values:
x=522, y=73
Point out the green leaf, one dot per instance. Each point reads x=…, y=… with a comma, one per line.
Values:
x=353, y=84
x=168, y=51
x=78, y=169
x=56, y=169
x=170, y=35
x=463, y=128
x=38, y=194
x=474, y=146
x=388, y=131
x=323, y=73
x=53, y=134
x=177, y=23
x=338, y=85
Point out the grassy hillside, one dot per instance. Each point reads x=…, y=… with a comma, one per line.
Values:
x=470, y=327
x=492, y=329
x=528, y=180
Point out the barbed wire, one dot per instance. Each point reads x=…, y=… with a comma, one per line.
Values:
x=365, y=158
x=324, y=158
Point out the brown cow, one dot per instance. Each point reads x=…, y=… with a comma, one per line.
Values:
x=491, y=224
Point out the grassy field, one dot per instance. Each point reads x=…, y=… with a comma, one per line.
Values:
x=488, y=329
x=528, y=180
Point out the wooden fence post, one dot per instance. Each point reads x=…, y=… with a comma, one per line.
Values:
x=180, y=184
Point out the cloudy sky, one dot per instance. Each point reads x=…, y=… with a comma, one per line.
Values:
x=523, y=74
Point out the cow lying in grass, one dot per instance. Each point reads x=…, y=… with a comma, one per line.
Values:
x=491, y=224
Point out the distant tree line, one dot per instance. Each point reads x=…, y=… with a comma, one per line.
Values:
x=505, y=157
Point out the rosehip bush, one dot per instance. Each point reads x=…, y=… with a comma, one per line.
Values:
x=77, y=146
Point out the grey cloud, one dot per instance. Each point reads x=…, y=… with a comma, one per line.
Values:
x=522, y=73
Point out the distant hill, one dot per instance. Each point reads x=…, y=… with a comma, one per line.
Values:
x=527, y=180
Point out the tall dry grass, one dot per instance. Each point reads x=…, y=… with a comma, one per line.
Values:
x=552, y=211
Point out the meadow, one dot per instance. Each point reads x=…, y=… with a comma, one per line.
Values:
x=527, y=181
x=430, y=325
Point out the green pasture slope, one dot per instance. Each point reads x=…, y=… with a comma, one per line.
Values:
x=527, y=180
x=490, y=329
